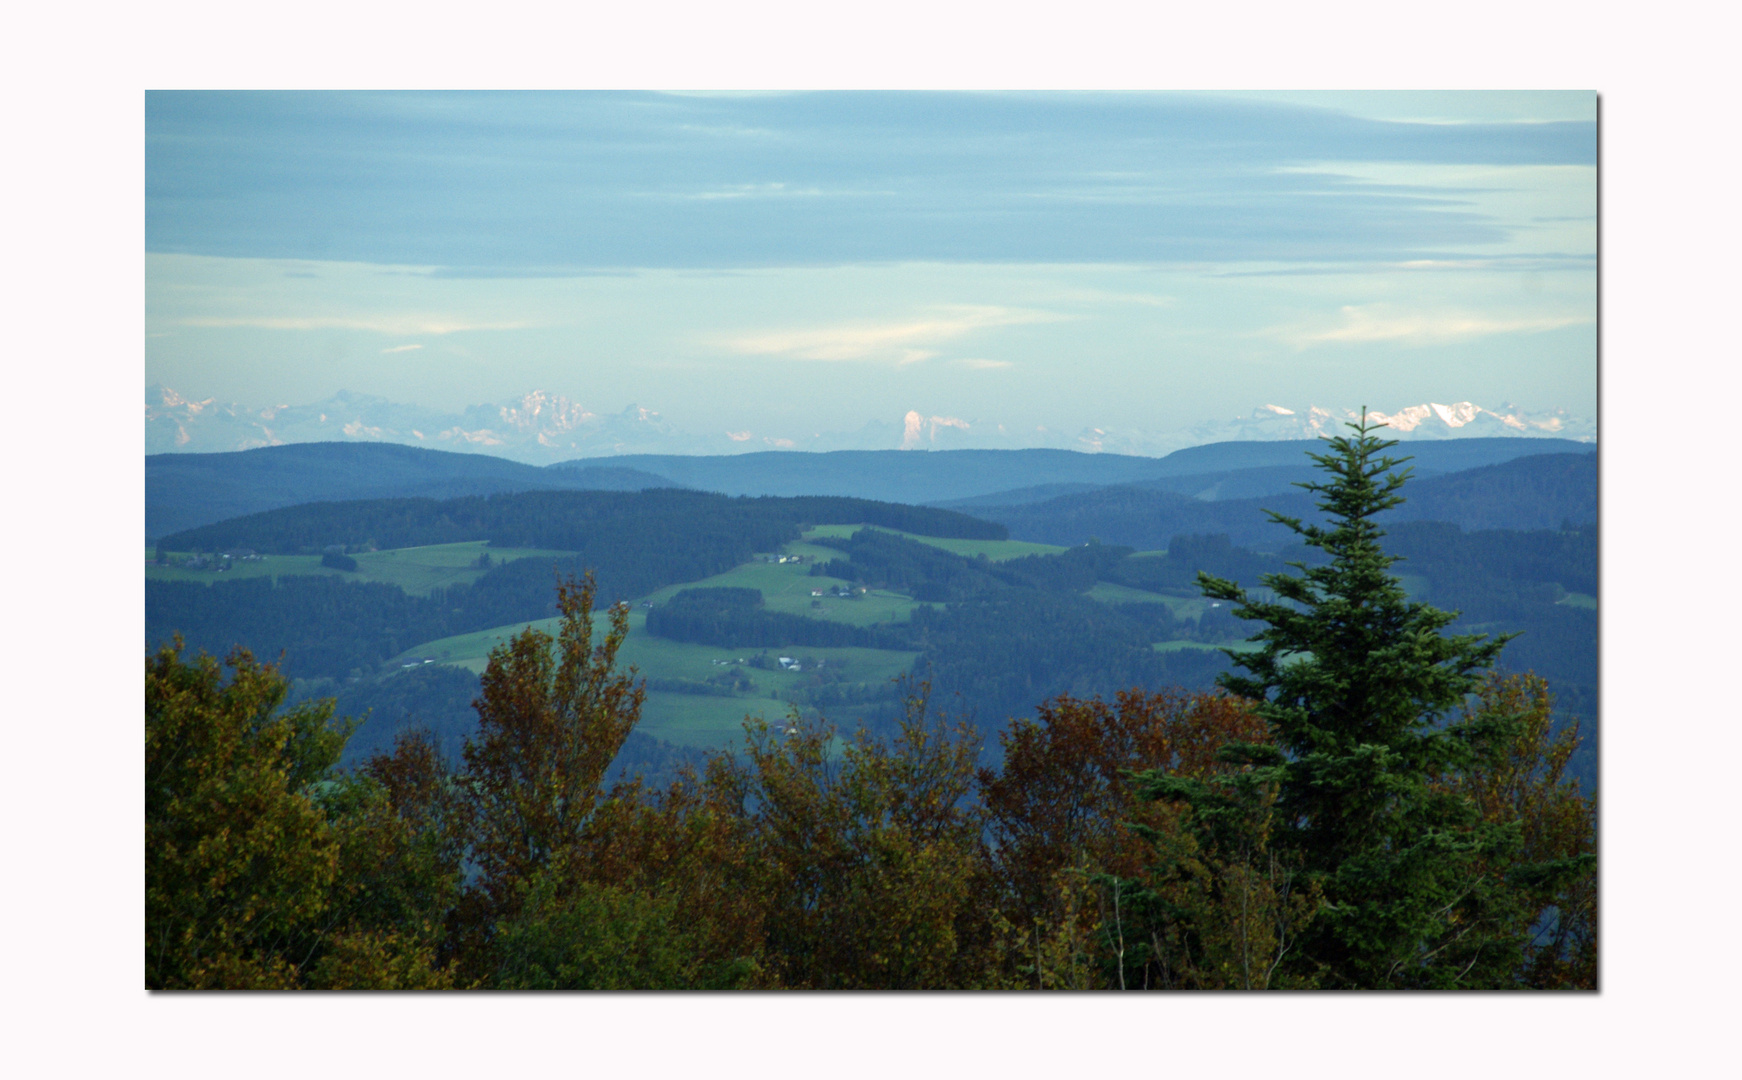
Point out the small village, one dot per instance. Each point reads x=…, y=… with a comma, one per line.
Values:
x=215, y=561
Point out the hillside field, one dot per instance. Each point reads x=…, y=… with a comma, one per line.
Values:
x=417, y=570
x=995, y=550
x=701, y=720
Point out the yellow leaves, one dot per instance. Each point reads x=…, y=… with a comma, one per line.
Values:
x=378, y=960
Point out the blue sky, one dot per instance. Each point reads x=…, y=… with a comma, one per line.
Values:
x=778, y=262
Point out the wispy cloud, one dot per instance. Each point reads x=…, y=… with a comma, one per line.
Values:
x=1359, y=324
x=775, y=190
x=1110, y=296
x=397, y=325
x=981, y=364
x=901, y=341
x=402, y=348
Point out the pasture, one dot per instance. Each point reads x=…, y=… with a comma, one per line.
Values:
x=995, y=550
x=417, y=570
x=700, y=720
x=787, y=588
x=1182, y=646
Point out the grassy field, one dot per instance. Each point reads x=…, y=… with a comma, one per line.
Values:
x=690, y=719
x=786, y=587
x=271, y=566
x=1180, y=646
x=417, y=570
x=996, y=550
x=1181, y=607
x=696, y=720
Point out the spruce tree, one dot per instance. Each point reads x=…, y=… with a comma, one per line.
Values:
x=1363, y=692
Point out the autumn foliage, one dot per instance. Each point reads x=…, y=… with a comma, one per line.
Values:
x=1098, y=845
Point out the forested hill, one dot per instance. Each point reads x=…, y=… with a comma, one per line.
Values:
x=939, y=476
x=1536, y=492
x=183, y=491
x=600, y=524
x=635, y=542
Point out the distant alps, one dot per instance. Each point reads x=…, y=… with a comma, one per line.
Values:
x=541, y=428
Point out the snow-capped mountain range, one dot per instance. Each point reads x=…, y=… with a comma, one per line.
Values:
x=538, y=428
x=541, y=428
x=1426, y=421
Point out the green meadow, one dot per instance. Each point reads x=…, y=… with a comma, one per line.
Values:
x=996, y=550
x=1181, y=646
x=701, y=720
x=697, y=720
x=417, y=570
x=788, y=587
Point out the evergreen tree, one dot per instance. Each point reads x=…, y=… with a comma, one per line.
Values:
x=1363, y=695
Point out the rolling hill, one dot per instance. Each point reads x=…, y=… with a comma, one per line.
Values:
x=1535, y=492
x=183, y=491
x=187, y=490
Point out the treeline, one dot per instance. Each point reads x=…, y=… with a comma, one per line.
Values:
x=1507, y=581
x=1008, y=634
x=1190, y=554
x=325, y=626
x=1018, y=631
x=1015, y=632
x=436, y=703
x=1367, y=806
x=1473, y=562
x=734, y=618
x=719, y=529
x=1081, y=861
x=634, y=543
x=1528, y=493
x=321, y=626
x=1006, y=649
x=886, y=561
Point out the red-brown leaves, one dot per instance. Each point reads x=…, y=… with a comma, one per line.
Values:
x=549, y=723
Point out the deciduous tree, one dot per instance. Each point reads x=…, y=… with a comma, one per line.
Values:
x=552, y=713
x=263, y=867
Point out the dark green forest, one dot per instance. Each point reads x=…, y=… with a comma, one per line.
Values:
x=632, y=542
x=1541, y=491
x=589, y=523
x=183, y=491
x=1362, y=802
x=1002, y=635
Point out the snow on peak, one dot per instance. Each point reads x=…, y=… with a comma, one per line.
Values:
x=917, y=428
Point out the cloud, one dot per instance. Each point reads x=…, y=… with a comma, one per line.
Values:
x=402, y=348
x=824, y=178
x=397, y=325
x=1110, y=296
x=979, y=364
x=901, y=341
x=1384, y=323
x=743, y=191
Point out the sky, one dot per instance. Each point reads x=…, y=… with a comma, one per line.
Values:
x=1670, y=231
x=794, y=263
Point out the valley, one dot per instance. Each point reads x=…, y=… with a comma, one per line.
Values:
x=373, y=600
